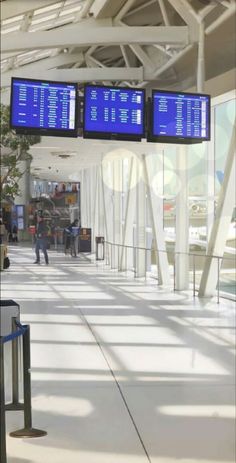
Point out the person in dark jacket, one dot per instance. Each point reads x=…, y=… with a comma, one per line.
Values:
x=70, y=234
x=41, y=239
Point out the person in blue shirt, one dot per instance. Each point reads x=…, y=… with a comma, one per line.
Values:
x=41, y=239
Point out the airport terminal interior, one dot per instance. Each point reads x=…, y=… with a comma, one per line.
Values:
x=118, y=231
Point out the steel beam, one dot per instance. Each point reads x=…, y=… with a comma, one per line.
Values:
x=87, y=36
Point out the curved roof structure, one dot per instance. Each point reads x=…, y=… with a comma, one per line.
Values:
x=144, y=43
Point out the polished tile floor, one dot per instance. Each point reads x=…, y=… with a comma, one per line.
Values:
x=122, y=371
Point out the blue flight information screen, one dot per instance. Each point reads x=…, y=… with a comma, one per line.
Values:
x=43, y=105
x=181, y=115
x=114, y=110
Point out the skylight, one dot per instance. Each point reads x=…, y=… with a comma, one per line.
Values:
x=44, y=19
x=10, y=29
x=48, y=9
x=12, y=20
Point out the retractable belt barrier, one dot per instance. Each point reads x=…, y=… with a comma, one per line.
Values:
x=28, y=431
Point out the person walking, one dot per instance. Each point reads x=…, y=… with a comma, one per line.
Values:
x=14, y=234
x=71, y=233
x=41, y=239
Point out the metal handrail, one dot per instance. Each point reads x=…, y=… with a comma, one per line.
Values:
x=174, y=253
x=165, y=251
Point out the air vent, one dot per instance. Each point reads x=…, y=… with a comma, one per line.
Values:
x=63, y=154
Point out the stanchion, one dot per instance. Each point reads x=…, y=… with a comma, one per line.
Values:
x=27, y=431
x=3, y=452
x=15, y=405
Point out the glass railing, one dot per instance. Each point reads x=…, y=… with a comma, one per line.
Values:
x=124, y=258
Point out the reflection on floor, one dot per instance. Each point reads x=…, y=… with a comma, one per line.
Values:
x=122, y=371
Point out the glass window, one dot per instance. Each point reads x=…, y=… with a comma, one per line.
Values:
x=224, y=120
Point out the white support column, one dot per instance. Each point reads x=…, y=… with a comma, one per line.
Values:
x=129, y=214
x=117, y=223
x=92, y=203
x=140, y=223
x=85, y=199
x=101, y=227
x=82, y=199
x=182, y=222
x=24, y=195
x=201, y=58
x=156, y=206
x=96, y=205
x=88, y=197
x=221, y=225
x=105, y=198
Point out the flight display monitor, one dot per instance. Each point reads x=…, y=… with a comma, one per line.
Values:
x=178, y=117
x=44, y=107
x=114, y=113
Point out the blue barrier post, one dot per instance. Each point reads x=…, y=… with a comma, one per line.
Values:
x=15, y=404
x=27, y=431
x=3, y=452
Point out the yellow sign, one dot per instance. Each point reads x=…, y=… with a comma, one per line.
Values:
x=70, y=199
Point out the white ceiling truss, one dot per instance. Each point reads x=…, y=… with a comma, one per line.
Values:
x=144, y=43
x=133, y=42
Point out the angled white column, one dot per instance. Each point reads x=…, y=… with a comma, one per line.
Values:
x=129, y=214
x=140, y=222
x=156, y=206
x=218, y=237
x=182, y=222
x=108, y=208
x=210, y=177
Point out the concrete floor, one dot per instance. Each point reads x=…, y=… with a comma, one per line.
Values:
x=122, y=371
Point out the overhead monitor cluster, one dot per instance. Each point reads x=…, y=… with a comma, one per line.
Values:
x=109, y=112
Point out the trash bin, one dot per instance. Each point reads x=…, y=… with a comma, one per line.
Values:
x=9, y=311
x=99, y=247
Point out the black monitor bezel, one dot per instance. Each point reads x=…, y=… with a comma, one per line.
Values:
x=114, y=135
x=151, y=137
x=45, y=131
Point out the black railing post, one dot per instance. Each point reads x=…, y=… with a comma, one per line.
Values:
x=3, y=452
x=27, y=431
